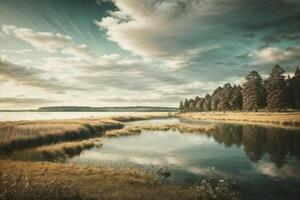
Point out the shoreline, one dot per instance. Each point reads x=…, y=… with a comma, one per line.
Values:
x=283, y=119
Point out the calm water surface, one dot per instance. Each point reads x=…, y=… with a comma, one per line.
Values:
x=16, y=116
x=264, y=162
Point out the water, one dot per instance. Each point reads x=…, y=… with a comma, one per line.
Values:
x=264, y=162
x=16, y=116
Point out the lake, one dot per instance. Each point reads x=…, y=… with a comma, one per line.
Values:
x=16, y=116
x=262, y=161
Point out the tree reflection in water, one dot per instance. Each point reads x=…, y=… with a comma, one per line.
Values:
x=277, y=143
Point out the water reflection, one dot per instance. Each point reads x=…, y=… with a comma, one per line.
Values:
x=278, y=143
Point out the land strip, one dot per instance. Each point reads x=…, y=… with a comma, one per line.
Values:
x=282, y=118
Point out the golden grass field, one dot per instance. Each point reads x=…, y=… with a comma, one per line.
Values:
x=281, y=118
x=104, y=183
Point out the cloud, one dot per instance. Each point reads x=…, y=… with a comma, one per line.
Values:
x=176, y=32
x=269, y=169
x=29, y=76
x=51, y=42
x=22, y=51
x=24, y=101
x=275, y=54
x=156, y=29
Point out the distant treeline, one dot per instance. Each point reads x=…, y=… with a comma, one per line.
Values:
x=106, y=109
x=276, y=93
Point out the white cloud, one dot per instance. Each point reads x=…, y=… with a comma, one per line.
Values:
x=275, y=54
x=158, y=29
x=22, y=51
x=51, y=42
x=287, y=171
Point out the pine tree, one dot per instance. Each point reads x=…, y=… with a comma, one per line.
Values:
x=185, y=106
x=192, y=105
x=199, y=104
x=215, y=99
x=252, y=92
x=206, y=104
x=290, y=93
x=224, y=98
x=296, y=88
x=276, y=86
x=181, y=107
x=236, y=100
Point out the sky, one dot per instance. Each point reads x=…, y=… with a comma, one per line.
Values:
x=138, y=52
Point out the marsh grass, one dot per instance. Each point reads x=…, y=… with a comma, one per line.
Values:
x=20, y=135
x=127, y=131
x=56, y=152
x=105, y=184
x=182, y=128
x=132, y=130
x=20, y=187
x=281, y=118
x=67, y=149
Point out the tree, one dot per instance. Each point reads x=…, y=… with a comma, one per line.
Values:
x=215, y=99
x=290, y=103
x=186, y=105
x=296, y=88
x=206, y=104
x=236, y=100
x=191, y=105
x=199, y=104
x=181, y=107
x=253, y=92
x=224, y=98
x=275, y=86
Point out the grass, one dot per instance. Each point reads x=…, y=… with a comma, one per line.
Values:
x=137, y=129
x=56, y=152
x=140, y=117
x=25, y=134
x=183, y=128
x=97, y=183
x=280, y=118
x=20, y=135
x=127, y=131
x=21, y=187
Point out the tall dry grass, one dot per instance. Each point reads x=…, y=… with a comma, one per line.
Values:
x=127, y=131
x=20, y=135
x=56, y=152
x=20, y=187
x=102, y=184
x=282, y=118
x=183, y=128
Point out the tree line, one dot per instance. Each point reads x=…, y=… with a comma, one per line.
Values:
x=276, y=93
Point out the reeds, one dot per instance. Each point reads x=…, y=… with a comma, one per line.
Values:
x=127, y=131
x=20, y=135
x=278, y=118
x=183, y=128
x=20, y=187
x=66, y=149
x=106, y=184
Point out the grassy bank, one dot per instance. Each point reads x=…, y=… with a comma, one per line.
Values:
x=56, y=152
x=25, y=134
x=96, y=183
x=282, y=118
x=137, y=129
x=20, y=135
x=183, y=128
x=127, y=131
